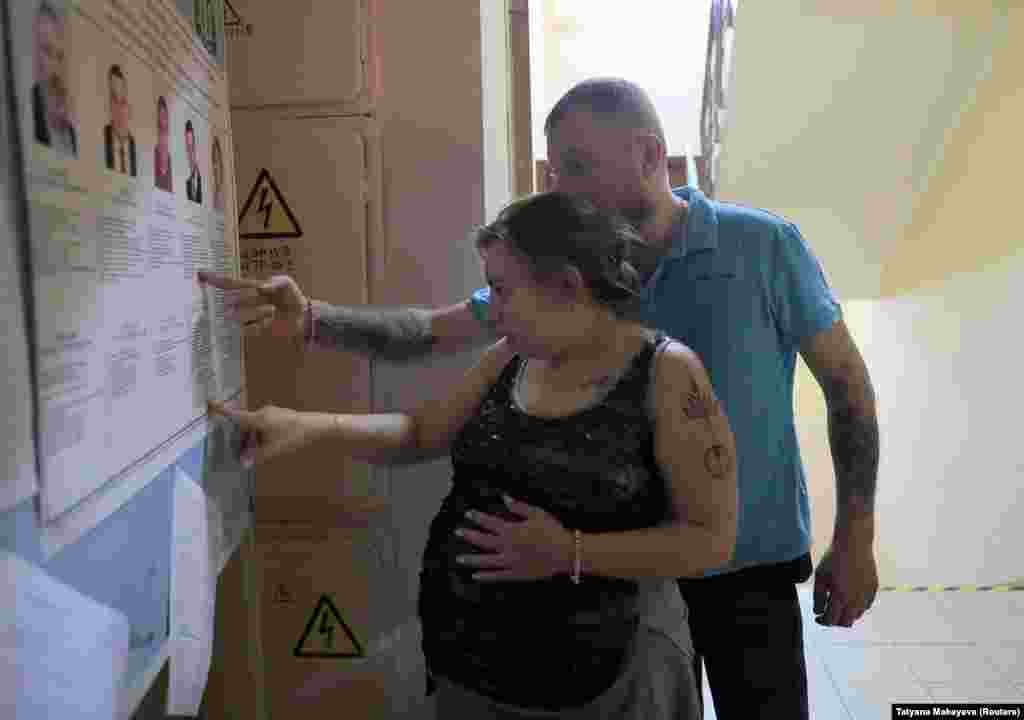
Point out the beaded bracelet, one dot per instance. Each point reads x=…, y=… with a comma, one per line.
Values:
x=577, y=540
x=309, y=328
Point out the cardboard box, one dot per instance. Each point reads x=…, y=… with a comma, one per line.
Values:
x=235, y=686
x=330, y=618
x=302, y=52
x=310, y=208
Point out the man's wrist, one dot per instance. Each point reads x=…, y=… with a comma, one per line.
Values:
x=854, y=524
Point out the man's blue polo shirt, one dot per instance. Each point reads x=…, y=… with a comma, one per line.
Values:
x=742, y=288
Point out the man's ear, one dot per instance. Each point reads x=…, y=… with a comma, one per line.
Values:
x=653, y=153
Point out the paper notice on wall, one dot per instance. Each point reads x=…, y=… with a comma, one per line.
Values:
x=124, y=135
x=18, y=476
x=228, y=485
x=62, y=655
x=193, y=591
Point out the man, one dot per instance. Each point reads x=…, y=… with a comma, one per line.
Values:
x=50, y=102
x=117, y=137
x=194, y=184
x=742, y=288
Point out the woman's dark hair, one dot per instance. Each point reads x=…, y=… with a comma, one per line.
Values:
x=552, y=230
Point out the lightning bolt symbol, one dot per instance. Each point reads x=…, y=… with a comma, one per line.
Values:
x=327, y=629
x=265, y=207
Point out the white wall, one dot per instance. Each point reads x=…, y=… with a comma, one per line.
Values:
x=837, y=121
x=944, y=364
x=659, y=44
x=892, y=138
x=496, y=74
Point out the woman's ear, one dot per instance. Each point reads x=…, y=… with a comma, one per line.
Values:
x=571, y=284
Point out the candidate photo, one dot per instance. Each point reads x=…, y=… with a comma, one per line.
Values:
x=194, y=184
x=119, y=144
x=163, y=177
x=217, y=163
x=53, y=119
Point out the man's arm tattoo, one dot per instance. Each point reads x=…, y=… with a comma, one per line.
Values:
x=853, y=435
x=703, y=405
x=395, y=334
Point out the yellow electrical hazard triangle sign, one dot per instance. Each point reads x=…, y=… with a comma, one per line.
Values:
x=265, y=213
x=326, y=634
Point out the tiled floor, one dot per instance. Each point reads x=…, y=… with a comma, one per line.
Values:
x=914, y=647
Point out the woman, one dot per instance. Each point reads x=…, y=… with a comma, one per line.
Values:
x=589, y=453
x=162, y=174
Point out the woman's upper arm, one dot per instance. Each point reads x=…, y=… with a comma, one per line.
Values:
x=438, y=420
x=694, y=443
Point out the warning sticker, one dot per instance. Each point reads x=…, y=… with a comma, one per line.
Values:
x=234, y=25
x=265, y=213
x=261, y=260
x=231, y=16
x=282, y=595
x=326, y=634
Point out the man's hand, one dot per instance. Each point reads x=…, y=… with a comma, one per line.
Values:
x=276, y=305
x=538, y=546
x=845, y=583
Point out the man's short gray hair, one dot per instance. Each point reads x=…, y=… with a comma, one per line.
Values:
x=610, y=97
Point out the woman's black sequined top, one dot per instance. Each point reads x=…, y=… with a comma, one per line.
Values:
x=542, y=643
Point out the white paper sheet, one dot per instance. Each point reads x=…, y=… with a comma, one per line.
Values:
x=218, y=547
x=126, y=348
x=70, y=527
x=18, y=476
x=193, y=590
x=226, y=333
x=131, y=698
x=228, y=485
x=62, y=654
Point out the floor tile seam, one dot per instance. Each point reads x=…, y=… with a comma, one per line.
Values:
x=1012, y=682
x=835, y=688
x=900, y=644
